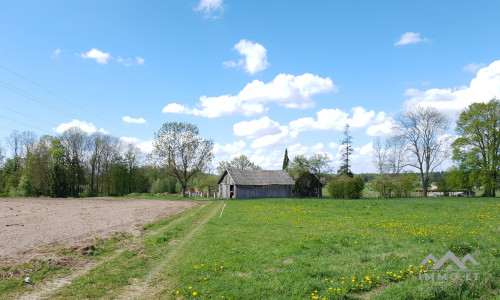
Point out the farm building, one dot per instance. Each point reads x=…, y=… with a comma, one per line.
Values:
x=240, y=184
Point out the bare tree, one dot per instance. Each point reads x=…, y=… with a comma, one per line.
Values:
x=395, y=155
x=183, y=152
x=27, y=141
x=14, y=142
x=423, y=130
x=380, y=158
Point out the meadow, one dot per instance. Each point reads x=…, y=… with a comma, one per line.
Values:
x=303, y=249
x=341, y=249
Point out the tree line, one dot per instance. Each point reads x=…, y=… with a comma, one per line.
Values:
x=75, y=163
x=421, y=142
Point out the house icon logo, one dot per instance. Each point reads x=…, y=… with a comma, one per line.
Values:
x=454, y=261
x=449, y=267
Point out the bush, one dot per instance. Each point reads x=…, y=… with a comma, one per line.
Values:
x=344, y=187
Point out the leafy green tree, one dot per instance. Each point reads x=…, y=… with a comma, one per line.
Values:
x=405, y=184
x=58, y=185
x=36, y=168
x=478, y=146
x=383, y=184
x=241, y=162
x=182, y=151
x=299, y=165
x=345, y=187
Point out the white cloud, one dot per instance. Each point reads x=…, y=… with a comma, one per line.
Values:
x=211, y=8
x=318, y=147
x=126, y=62
x=473, y=67
x=279, y=139
x=484, y=87
x=234, y=148
x=334, y=119
x=57, y=52
x=128, y=119
x=333, y=145
x=129, y=140
x=366, y=149
x=255, y=57
x=98, y=55
x=413, y=92
x=285, y=90
x=146, y=146
x=140, y=60
x=85, y=126
x=103, y=58
x=256, y=128
x=381, y=129
x=410, y=38
x=176, y=109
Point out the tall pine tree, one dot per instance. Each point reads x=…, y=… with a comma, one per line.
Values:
x=345, y=168
x=286, y=160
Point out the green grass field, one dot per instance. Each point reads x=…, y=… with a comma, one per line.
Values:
x=305, y=249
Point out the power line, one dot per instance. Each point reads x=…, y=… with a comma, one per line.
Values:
x=61, y=97
x=25, y=115
x=36, y=99
x=22, y=123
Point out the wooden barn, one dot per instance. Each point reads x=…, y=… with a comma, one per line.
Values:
x=241, y=184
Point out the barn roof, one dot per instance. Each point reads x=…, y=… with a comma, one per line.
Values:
x=258, y=177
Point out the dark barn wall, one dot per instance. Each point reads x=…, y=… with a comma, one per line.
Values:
x=263, y=191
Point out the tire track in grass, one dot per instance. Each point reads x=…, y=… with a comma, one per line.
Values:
x=43, y=290
x=145, y=289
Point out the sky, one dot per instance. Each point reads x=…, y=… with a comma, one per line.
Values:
x=256, y=77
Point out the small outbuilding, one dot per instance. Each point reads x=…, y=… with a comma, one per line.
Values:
x=241, y=184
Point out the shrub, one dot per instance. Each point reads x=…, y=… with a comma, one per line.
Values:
x=344, y=187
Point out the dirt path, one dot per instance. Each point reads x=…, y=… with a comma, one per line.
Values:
x=44, y=290
x=30, y=226
x=145, y=289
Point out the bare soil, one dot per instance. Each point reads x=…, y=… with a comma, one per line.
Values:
x=34, y=227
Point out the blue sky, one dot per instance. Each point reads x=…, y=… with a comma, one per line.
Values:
x=255, y=76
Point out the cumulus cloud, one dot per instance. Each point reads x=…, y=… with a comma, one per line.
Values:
x=276, y=140
x=484, y=87
x=229, y=150
x=255, y=57
x=212, y=9
x=145, y=146
x=256, y=128
x=410, y=38
x=103, y=57
x=128, y=119
x=285, y=90
x=473, y=67
x=99, y=56
x=334, y=119
x=384, y=128
x=85, y=126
